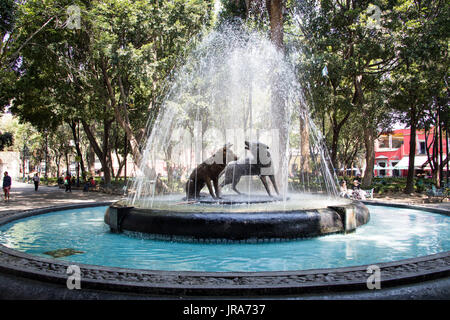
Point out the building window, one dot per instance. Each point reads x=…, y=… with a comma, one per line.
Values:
x=383, y=142
x=395, y=172
x=397, y=143
x=422, y=147
x=382, y=172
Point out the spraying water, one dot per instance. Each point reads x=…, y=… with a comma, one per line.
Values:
x=235, y=86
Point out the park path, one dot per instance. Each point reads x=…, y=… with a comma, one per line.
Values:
x=23, y=197
x=415, y=200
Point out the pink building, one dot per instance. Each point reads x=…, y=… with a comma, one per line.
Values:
x=392, y=153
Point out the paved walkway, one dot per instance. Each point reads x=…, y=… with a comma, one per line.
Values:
x=415, y=199
x=23, y=197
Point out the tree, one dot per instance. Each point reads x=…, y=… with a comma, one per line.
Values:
x=420, y=79
x=14, y=40
x=55, y=83
x=6, y=140
x=433, y=124
x=138, y=45
x=25, y=136
x=60, y=148
x=113, y=68
x=345, y=57
x=258, y=12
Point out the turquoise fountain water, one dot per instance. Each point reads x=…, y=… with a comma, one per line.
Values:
x=392, y=234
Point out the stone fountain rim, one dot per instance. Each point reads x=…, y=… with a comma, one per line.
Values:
x=197, y=283
x=236, y=226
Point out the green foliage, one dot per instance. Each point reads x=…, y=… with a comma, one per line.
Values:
x=419, y=83
x=7, y=16
x=362, y=69
x=232, y=10
x=24, y=134
x=7, y=76
x=342, y=63
x=142, y=42
x=377, y=65
x=123, y=54
x=6, y=140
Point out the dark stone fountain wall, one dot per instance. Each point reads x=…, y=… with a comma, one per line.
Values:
x=276, y=225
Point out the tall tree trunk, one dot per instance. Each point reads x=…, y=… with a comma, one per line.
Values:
x=334, y=147
x=121, y=165
x=337, y=127
x=369, y=143
x=304, y=147
x=122, y=120
x=66, y=155
x=369, y=131
x=111, y=165
x=447, y=151
x=76, y=137
x=125, y=159
x=91, y=160
x=58, y=163
x=46, y=156
x=101, y=154
x=106, y=151
x=275, y=10
x=436, y=177
x=412, y=152
x=441, y=167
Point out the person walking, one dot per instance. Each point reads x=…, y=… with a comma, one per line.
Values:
x=68, y=183
x=36, y=181
x=6, y=185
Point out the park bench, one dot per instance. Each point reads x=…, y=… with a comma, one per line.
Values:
x=369, y=194
x=94, y=188
x=435, y=193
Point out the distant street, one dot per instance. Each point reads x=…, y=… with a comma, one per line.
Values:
x=23, y=197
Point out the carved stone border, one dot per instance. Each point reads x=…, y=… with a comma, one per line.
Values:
x=190, y=283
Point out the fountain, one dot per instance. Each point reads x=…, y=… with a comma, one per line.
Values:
x=235, y=90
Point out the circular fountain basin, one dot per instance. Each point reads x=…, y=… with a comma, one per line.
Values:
x=256, y=218
x=409, y=245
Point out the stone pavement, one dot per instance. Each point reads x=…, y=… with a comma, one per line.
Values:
x=415, y=199
x=23, y=197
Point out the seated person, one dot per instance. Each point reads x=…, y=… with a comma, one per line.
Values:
x=92, y=182
x=357, y=193
x=343, y=191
